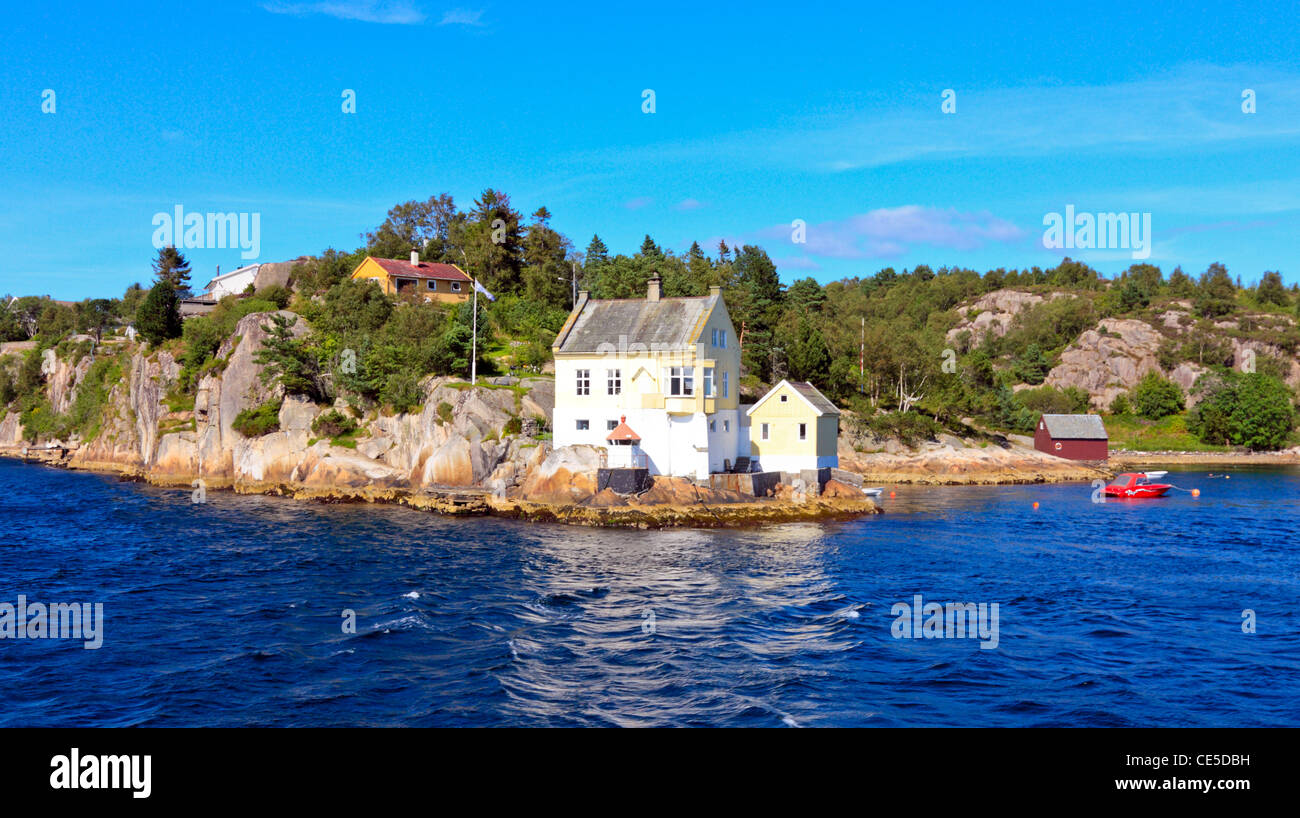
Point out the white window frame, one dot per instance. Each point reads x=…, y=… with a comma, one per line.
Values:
x=613, y=381
x=763, y=431
x=432, y=284
x=583, y=425
x=611, y=425
x=681, y=381
x=455, y=286
x=582, y=382
x=709, y=388
x=713, y=426
x=726, y=425
x=715, y=337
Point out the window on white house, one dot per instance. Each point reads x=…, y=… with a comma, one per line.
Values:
x=713, y=426
x=681, y=381
x=584, y=381
x=726, y=391
x=584, y=425
x=611, y=425
x=613, y=381
x=726, y=426
x=803, y=431
x=433, y=285
x=708, y=382
x=763, y=429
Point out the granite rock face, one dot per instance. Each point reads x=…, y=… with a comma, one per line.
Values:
x=1108, y=360
x=461, y=437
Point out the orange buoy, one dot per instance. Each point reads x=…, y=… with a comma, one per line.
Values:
x=891, y=495
x=1196, y=492
x=1035, y=504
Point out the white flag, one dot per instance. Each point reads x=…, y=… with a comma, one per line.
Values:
x=482, y=289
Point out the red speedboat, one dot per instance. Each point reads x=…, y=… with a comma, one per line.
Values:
x=1136, y=486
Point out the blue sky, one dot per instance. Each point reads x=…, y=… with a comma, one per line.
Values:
x=764, y=114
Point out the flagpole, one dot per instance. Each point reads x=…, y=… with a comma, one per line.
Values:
x=473, y=361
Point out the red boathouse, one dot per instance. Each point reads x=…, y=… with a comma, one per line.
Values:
x=1074, y=437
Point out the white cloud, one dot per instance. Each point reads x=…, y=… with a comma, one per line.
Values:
x=367, y=11
x=893, y=231
x=689, y=204
x=638, y=203
x=462, y=17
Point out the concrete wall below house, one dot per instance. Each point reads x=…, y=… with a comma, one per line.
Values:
x=754, y=484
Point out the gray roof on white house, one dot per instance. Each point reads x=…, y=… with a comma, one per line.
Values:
x=669, y=324
x=1075, y=427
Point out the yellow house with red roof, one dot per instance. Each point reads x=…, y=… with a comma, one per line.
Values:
x=432, y=281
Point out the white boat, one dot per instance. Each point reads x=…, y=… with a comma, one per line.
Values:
x=873, y=492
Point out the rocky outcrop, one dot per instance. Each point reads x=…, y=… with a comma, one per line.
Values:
x=567, y=475
x=994, y=314
x=128, y=438
x=1108, y=360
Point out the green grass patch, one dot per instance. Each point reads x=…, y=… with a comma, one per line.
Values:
x=1169, y=434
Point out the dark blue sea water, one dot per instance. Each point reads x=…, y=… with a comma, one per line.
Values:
x=229, y=613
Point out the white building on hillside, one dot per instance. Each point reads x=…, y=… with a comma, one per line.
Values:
x=665, y=370
x=231, y=283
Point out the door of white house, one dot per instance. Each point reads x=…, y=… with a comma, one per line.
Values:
x=680, y=442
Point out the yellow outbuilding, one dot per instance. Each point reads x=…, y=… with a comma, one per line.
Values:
x=794, y=427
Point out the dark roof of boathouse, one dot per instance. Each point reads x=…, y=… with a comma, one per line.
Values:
x=1075, y=427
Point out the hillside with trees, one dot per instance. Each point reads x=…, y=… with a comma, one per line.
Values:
x=1173, y=360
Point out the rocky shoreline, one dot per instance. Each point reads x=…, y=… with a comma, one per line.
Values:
x=1125, y=459
x=710, y=509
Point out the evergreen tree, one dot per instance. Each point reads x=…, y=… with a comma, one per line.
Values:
x=809, y=359
x=159, y=315
x=649, y=249
x=597, y=253
x=289, y=360
x=1216, y=294
x=171, y=266
x=1271, y=290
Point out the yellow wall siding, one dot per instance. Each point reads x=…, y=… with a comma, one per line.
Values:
x=783, y=421
x=722, y=359
x=371, y=269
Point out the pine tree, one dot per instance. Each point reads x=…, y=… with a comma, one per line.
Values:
x=171, y=266
x=597, y=253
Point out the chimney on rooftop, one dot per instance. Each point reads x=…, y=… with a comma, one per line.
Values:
x=652, y=292
x=415, y=258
